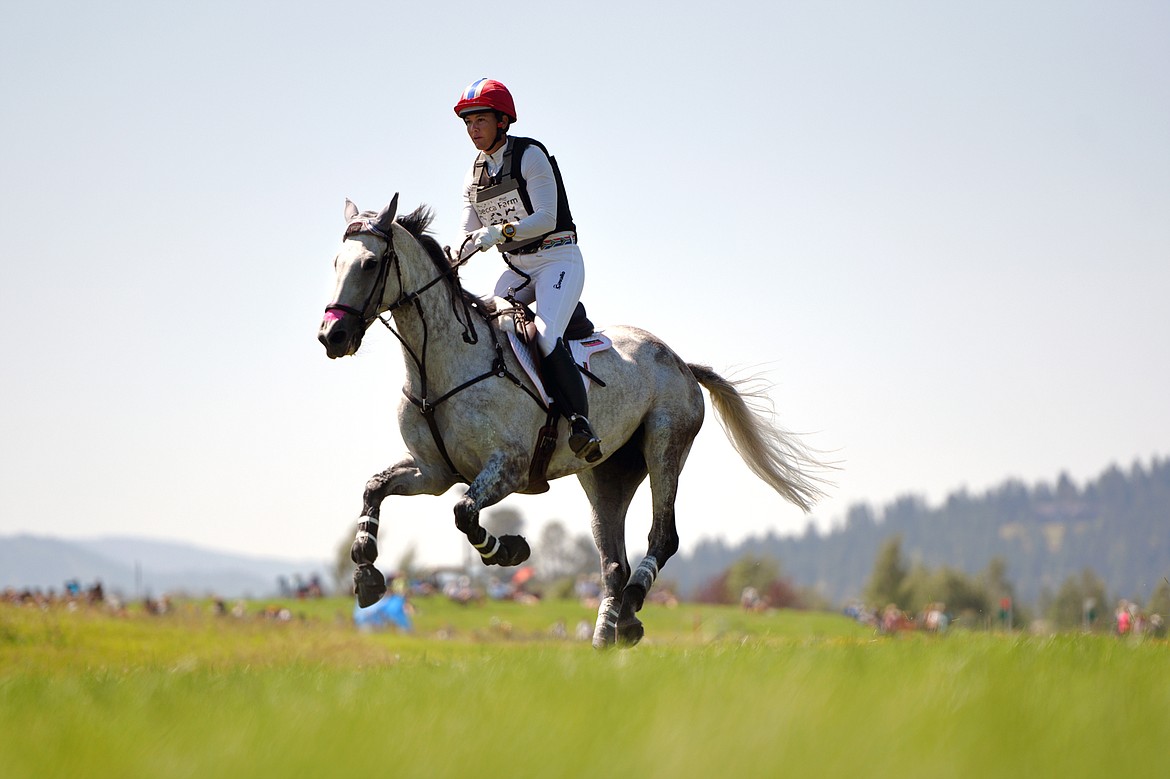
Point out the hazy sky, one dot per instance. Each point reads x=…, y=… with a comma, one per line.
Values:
x=943, y=228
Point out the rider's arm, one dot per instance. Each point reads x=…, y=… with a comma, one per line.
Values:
x=542, y=192
x=470, y=219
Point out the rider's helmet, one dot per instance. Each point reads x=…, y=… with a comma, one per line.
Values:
x=486, y=95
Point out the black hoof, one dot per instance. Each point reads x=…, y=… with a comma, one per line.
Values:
x=369, y=585
x=516, y=549
x=633, y=598
x=630, y=633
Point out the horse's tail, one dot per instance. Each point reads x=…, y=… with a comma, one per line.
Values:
x=773, y=453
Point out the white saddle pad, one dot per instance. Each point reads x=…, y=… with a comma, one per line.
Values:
x=582, y=351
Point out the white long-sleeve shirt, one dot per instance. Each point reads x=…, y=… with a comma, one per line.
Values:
x=540, y=183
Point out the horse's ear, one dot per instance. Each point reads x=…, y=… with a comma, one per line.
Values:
x=386, y=218
x=351, y=211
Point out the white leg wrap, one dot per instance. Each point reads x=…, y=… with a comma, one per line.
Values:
x=495, y=547
x=645, y=573
x=607, y=615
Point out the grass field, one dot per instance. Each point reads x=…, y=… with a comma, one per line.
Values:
x=487, y=691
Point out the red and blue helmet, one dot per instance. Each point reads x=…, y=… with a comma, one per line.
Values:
x=486, y=95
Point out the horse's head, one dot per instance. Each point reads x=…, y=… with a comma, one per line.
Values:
x=362, y=266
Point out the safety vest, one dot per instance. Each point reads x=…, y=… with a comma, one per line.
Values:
x=504, y=197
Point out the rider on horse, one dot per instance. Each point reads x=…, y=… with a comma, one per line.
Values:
x=514, y=198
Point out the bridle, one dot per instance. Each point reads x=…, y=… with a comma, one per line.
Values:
x=389, y=257
x=370, y=311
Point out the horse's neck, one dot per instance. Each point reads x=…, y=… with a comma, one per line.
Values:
x=432, y=335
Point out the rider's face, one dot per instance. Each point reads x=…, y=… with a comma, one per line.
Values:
x=484, y=131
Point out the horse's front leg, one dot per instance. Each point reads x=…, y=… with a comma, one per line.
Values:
x=403, y=478
x=502, y=474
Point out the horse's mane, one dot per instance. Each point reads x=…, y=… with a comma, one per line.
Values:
x=418, y=223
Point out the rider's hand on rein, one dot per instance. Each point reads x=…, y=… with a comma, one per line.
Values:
x=487, y=237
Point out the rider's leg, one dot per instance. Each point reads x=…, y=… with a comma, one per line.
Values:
x=567, y=389
x=511, y=285
x=558, y=276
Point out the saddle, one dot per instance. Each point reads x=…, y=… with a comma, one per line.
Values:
x=583, y=342
x=579, y=327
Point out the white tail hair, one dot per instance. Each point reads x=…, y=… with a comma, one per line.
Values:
x=774, y=454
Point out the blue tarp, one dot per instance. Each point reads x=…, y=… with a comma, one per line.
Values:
x=391, y=610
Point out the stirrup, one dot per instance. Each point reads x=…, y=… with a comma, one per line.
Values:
x=582, y=440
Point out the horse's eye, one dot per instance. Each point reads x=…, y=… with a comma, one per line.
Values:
x=369, y=263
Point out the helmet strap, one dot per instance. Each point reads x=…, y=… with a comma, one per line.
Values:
x=500, y=139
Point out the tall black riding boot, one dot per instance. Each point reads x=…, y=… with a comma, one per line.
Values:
x=567, y=390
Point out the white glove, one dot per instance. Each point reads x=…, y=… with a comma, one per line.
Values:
x=486, y=237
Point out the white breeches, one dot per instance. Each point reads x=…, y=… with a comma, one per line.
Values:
x=558, y=276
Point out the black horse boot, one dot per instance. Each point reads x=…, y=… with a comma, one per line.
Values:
x=567, y=390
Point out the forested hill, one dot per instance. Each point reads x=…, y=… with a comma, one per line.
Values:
x=1117, y=525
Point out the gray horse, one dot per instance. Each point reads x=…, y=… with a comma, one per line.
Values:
x=471, y=415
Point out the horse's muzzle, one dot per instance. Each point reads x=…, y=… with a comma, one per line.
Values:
x=338, y=338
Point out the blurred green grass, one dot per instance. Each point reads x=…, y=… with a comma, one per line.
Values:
x=487, y=690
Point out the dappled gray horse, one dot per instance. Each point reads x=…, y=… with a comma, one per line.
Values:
x=470, y=415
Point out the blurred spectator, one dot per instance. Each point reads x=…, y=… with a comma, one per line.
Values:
x=1124, y=617
x=936, y=619
x=894, y=620
x=750, y=600
x=459, y=590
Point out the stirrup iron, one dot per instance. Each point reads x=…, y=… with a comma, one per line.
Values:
x=582, y=440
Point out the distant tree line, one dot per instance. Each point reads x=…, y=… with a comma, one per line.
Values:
x=985, y=599
x=1051, y=540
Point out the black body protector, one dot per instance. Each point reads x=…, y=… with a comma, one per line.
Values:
x=504, y=198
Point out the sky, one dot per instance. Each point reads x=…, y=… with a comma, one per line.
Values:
x=941, y=229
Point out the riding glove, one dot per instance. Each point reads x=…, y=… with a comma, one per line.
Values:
x=486, y=237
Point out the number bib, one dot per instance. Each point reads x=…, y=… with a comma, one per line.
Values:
x=500, y=203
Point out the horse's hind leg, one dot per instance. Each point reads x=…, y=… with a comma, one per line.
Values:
x=667, y=442
x=610, y=488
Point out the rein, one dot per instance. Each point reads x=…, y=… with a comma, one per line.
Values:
x=426, y=406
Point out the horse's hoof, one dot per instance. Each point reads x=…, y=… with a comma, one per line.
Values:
x=633, y=598
x=514, y=549
x=369, y=585
x=630, y=633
